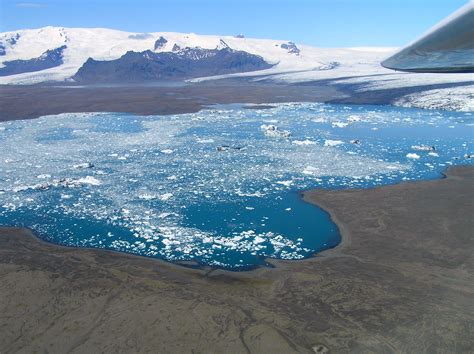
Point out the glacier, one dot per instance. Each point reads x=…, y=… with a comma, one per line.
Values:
x=356, y=68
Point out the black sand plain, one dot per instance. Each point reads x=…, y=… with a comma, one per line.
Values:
x=26, y=102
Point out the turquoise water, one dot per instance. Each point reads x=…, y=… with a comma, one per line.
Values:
x=218, y=187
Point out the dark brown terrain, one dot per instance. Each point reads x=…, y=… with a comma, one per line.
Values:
x=26, y=102
x=402, y=281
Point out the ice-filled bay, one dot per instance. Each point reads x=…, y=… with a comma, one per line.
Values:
x=218, y=187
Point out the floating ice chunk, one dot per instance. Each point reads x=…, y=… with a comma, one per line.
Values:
x=20, y=188
x=288, y=209
x=9, y=206
x=304, y=142
x=90, y=180
x=205, y=141
x=168, y=242
x=330, y=142
x=66, y=196
x=250, y=208
x=423, y=148
x=258, y=240
x=165, y=215
x=319, y=120
x=243, y=194
x=354, y=118
x=207, y=240
x=413, y=156
x=167, y=151
x=339, y=124
x=43, y=176
x=83, y=165
x=166, y=196
x=310, y=170
x=273, y=131
x=285, y=183
x=147, y=196
x=434, y=154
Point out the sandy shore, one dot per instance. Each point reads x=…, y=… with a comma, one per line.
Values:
x=402, y=281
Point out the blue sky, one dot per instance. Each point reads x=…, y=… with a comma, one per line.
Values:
x=326, y=23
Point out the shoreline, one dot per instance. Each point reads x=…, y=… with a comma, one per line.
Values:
x=399, y=268
x=306, y=196
x=303, y=195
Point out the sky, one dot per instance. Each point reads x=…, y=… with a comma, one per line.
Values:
x=323, y=23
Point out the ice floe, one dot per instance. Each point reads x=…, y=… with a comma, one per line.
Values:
x=423, y=148
x=166, y=196
x=413, y=156
x=285, y=183
x=89, y=180
x=304, y=142
x=274, y=132
x=339, y=124
x=83, y=165
x=329, y=142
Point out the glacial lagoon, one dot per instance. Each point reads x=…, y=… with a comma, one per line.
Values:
x=220, y=187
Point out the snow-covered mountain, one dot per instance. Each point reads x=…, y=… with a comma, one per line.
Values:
x=58, y=54
x=107, y=45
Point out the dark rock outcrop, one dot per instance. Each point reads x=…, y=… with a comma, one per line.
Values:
x=49, y=59
x=8, y=43
x=160, y=43
x=222, y=44
x=14, y=39
x=291, y=48
x=169, y=66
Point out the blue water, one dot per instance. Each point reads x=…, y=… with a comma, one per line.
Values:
x=158, y=186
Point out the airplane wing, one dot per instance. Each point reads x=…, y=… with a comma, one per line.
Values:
x=446, y=48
